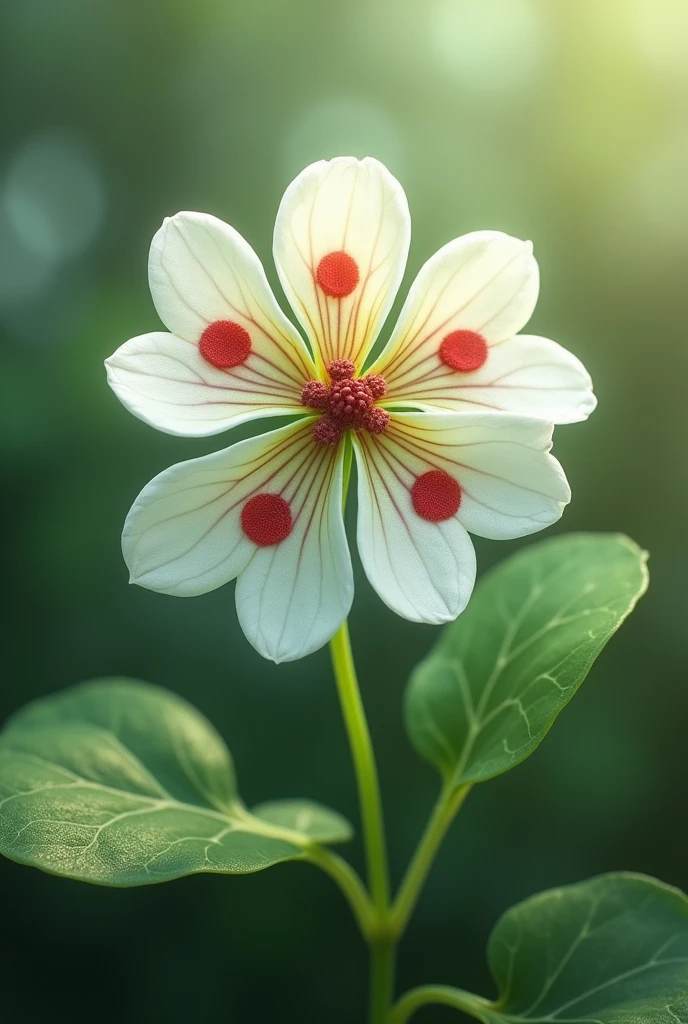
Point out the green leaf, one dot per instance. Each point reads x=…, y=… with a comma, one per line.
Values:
x=492, y=686
x=612, y=950
x=123, y=783
x=318, y=823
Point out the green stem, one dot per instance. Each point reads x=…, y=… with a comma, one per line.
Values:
x=381, y=941
x=382, y=926
x=364, y=767
x=382, y=964
x=442, y=994
x=350, y=884
x=444, y=812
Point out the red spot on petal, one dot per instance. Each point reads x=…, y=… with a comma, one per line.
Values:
x=436, y=496
x=266, y=519
x=225, y=344
x=463, y=350
x=337, y=274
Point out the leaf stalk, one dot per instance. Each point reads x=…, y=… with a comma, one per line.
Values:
x=442, y=995
x=447, y=807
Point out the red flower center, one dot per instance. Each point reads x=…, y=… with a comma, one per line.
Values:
x=347, y=402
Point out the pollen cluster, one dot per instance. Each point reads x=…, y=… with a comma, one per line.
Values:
x=346, y=403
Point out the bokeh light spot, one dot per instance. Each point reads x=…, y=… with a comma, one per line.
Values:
x=660, y=33
x=24, y=274
x=342, y=125
x=490, y=46
x=54, y=196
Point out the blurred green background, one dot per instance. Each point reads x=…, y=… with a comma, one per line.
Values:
x=564, y=122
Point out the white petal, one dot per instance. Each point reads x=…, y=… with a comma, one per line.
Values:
x=202, y=272
x=355, y=207
x=184, y=536
x=164, y=381
x=292, y=598
x=423, y=571
x=510, y=485
x=485, y=282
x=526, y=375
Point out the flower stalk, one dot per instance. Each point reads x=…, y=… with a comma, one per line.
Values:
x=381, y=940
x=382, y=923
x=364, y=767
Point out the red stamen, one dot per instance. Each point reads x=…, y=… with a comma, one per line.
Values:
x=377, y=385
x=315, y=395
x=376, y=421
x=350, y=400
x=436, y=496
x=463, y=350
x=224, y=344
x=348, y=403
x=327, y=431
x=341, y=369
x=266, y=519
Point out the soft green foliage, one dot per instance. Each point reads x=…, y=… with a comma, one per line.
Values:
x=122, y=783
x=498, y=677
x=319, y=824
x=612, y=950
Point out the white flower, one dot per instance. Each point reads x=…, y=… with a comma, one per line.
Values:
x=268, y=510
